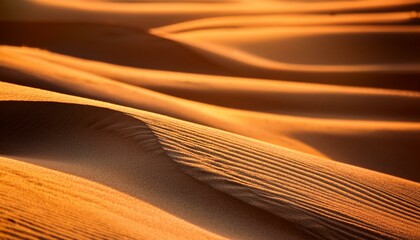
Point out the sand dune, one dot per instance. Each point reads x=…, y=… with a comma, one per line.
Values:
x=388, y=18
x=308, y=53
x=229, y=7
x=146, y=15
x=204, y=88
x=277, y=44
x=38, y=203
x=86, y=141
x=209, y=119
x=252, y=94
x=376, y=48
x=301, y=133
x=136, y=48
x=294, y=53
x=280, y=180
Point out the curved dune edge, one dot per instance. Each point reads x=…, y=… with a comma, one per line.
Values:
x=151, y=14
x=213, y=89
x=390, y=18
x=235, y=7
x=87, y=139
x=330, y=200
x=379, y=141
x=39, y=203
x=97, y=41
x=254, y=49
x=196, y=39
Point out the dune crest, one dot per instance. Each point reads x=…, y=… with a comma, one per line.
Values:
x=304, y=53
x=325, y=198
x=391, y=18
x=297, y=187
x=287, y=121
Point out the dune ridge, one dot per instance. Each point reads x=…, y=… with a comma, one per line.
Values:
x=72, y=76
x=388, y=18
x=298, y=187
x=146, y=15
x=186, y=85
x=291, y=184
x=87, y=139
x=278, y=58
x=234, y=7
x=97, y=41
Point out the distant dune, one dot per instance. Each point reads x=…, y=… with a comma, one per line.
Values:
x=98, y=41
x=224, y=119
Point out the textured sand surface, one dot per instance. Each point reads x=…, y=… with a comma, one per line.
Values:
x=326, y=198
x=209, y=119
x=38, y=203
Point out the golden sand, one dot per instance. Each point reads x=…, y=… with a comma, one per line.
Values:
x=224, y=119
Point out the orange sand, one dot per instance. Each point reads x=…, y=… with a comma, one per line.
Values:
x=209, y=119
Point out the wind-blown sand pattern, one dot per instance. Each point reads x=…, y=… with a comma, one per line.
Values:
x=209, y=119
x=40, y=203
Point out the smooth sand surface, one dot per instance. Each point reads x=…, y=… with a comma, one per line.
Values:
x=209, y=119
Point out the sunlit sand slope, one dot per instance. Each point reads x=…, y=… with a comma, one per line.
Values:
x=325, y=198
x=323, y=50
x=38, y=203
x=330, y=200
x=108, y=43
x=387, y=18
x=242, y=93
x=360, y=43
x=209, y=119
x=308, y=46
x=343, y=123
x=113, y=148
